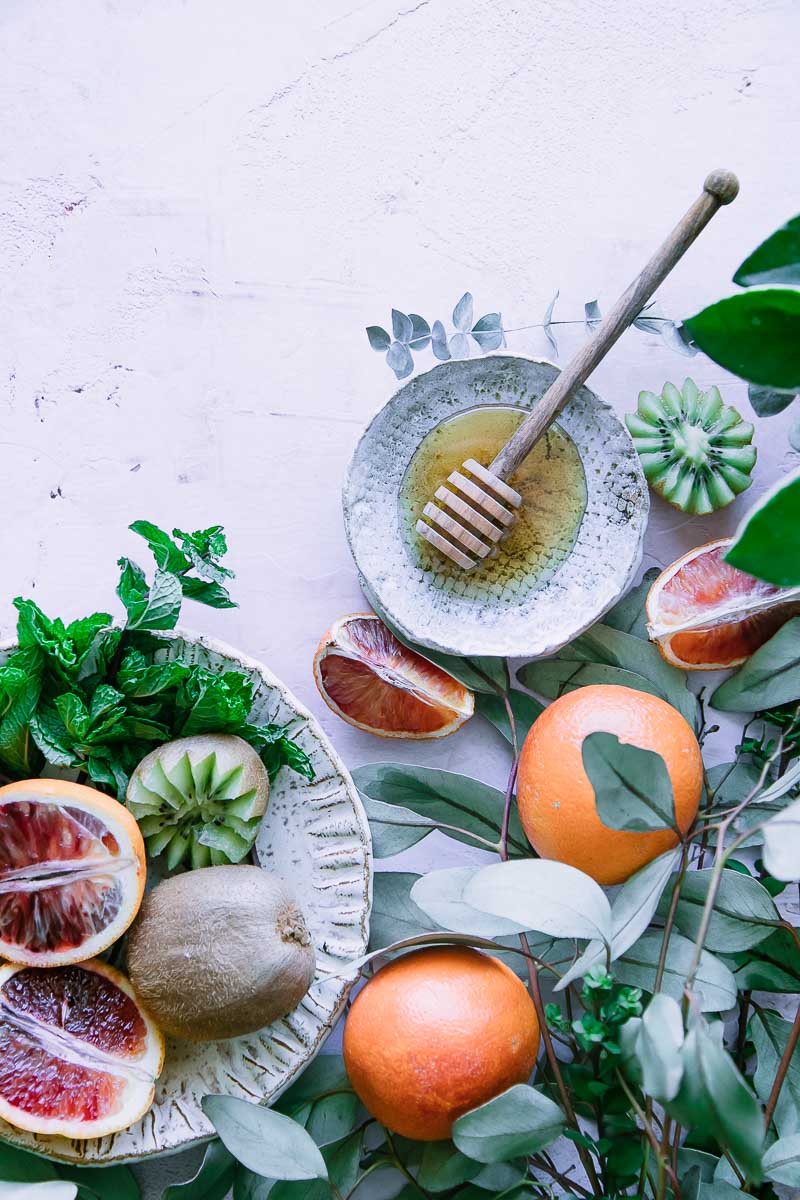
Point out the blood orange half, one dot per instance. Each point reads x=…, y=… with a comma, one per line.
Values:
x=72, y=871
x=376, y=683
x=79, y=1056
x=705, y=615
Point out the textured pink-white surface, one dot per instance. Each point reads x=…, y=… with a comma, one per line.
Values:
x=202, y=205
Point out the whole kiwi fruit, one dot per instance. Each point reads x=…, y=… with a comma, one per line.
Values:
x=220, y=952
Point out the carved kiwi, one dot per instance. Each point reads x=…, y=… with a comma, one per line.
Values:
x=220, y=952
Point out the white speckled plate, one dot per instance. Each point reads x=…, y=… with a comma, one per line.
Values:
x=317, y=837
x=456, y=613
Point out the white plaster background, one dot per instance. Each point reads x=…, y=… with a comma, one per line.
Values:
x=202, y=205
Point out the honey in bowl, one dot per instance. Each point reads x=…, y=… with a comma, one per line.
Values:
x=551, y=482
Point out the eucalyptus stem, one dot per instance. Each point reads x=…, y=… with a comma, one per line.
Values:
x=401, y=1167
x=670, y=919
x=543, y=1162
x=649, y=1132
x=476, y=837
x=720, y=859
x=783, y=1067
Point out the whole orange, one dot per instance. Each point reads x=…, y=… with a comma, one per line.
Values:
x=556, y=799
x=436, y=1033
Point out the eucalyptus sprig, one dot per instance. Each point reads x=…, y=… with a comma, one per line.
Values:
x=411, y=332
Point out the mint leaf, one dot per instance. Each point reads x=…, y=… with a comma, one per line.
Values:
x=155, y=607
x=20, y=689
x=205, y=592
x=168, y=556
x=214, y=703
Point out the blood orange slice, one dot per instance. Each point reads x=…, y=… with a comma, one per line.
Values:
x=376, y=683
x=705, y=615
x=79, y=1056
x=72, y=871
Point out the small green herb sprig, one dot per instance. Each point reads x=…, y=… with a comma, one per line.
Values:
x=411, y=332
x=96, y=697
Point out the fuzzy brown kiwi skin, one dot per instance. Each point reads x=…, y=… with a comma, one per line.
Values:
x=220, y=952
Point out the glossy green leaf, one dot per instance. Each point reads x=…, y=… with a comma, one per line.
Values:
x=755, y=335
x=212, y=1180
x=444, y=797
x=714, y=987
x=744, y=913
x=547, y=896
x=632, y=910
x=776, y=260
x=769, y=1034
x=767, y=543
x=440, y=894
x=520, y=1121
x=782, y=1161
x=632, y=787
x=715, y=1099
x=263, y=1140
x=770, y=677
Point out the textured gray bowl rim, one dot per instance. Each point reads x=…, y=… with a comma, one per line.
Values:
x=415, y=626
x=68, y=1150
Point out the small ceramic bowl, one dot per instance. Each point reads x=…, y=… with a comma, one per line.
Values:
x=457, y=612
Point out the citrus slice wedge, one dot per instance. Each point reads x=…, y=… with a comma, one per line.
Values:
x=372, y=681
x=79, y=1056
x=705, y=615
x=72, y=871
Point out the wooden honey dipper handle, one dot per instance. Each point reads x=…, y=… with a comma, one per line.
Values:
x=721, y=187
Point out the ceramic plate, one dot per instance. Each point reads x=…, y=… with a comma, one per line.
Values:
x=456, y=612
x=316, y=836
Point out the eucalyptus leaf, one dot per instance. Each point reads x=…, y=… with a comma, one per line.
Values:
x=420, y=332
x=767, y=543
x=398, y=356
x=440, y=896
x=212, y=1180
x=546, y=896
x=632, y=787
x=770, y=677
x=768, y=402
x=770, y=1034
x=520, y=1121
x=715, y=1099
x=19, y=1166
x=776, y=260
x=548, y=318
x=443, y=1167
x=379, y=339
x=714, y=986
x=756, y=335
x=459, y=345
x=782, y=1161
x=263, y=1140
x=523, y=707
x=462, y=313
x=439, y=342
x=394, y=828
x=394, y=914
x=592, y=315
x=772, y=966
x=402, y=326
x=782, y=843
x=658, y=1048
x=678, y=338
x=629, y=615
x=632, y=910
x=556, y=677
x=743, y=915
x=488, y=332
x=443, y=797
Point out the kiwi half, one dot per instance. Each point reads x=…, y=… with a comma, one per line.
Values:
x=695, y=450
x=199, y=800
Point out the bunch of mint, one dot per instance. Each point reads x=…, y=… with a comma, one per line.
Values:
x=97, y=698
